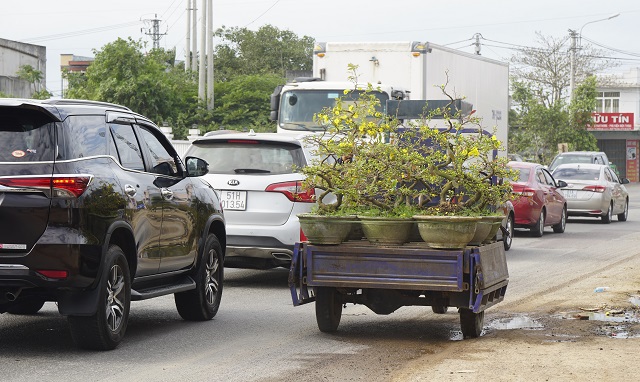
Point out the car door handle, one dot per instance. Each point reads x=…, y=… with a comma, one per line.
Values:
x=130, y=190
x=166, y=193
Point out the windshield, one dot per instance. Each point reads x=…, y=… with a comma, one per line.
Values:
x=298, y=107
x=25, y=136
x=564, y=159
x=241, y=157
x=522, y=174
x=577, y=173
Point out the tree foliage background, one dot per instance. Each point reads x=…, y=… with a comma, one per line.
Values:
x=542, y=115
x=248, y=66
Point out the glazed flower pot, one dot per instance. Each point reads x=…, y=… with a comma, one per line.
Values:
x=446, y=232
x=321, y=229
x=496, y=222
x=486, y=229
x=381, y=230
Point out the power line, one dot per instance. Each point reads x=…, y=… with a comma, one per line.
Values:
x=263, y=13
x=612, y=49
x=60, y=36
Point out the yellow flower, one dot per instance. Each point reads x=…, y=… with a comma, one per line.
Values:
x=345, y=92
x=474, y=152
x=494, y=138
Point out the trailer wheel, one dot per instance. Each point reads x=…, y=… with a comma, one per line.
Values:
x=439, y=309
x=328, y=309
x=471, y=323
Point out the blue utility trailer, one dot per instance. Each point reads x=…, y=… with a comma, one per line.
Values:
x=387, y=278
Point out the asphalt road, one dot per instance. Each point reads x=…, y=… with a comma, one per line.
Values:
x=259, y=336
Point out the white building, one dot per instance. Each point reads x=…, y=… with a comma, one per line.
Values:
x=13, y=55
x=617, y=121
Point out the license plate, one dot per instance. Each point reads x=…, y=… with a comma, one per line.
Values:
x=570, y=194
x=233, y=200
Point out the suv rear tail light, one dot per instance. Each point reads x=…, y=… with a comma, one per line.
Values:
x=598, y=188
x=53, y=274
x=61, y=186
x=293, y=191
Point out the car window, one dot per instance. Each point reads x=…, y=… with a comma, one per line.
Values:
x=26, y=136
x=233, y=156
x=540, y=177
x=548, y=178
x=129, y=151
x=577, y=173
x=607, y=175
x=613, y=174
x=83, y=136
x=522, y=174
x=162, y=161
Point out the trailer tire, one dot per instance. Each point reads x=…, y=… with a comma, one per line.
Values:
x=328, y=309
x=439, y=309
x=471, y=323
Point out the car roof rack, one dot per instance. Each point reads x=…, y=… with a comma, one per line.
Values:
x=85, y=102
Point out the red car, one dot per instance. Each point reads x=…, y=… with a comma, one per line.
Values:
x=538, y=201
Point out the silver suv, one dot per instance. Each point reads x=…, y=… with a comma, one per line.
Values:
x=596, y=157
x=260, y=184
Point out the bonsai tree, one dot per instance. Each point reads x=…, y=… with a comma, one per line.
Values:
x=368, y=163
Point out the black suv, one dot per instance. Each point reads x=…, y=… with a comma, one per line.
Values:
x=97, y=209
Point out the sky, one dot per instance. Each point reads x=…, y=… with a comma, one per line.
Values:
x=81, y=26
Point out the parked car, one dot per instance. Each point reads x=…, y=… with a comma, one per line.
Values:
x=97, y=209
x=260, y=184
x=594, y=190
x=538, y=201
x=596, y=157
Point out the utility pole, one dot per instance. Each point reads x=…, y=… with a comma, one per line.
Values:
x=202, y=71
x=477, y=44
x=572, y=55
x=575, y=45
x=210, y=55
x=154, y=31
x=194, y=35
x=187, y=56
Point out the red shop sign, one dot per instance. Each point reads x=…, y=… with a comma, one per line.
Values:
x=612, y=121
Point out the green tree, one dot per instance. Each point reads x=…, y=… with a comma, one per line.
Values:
x=244, y=102
x=269, y=50
x=542, y=116
x=147, y=83
x=34, y=77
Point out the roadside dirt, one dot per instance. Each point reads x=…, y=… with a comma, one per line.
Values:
x=568, y=334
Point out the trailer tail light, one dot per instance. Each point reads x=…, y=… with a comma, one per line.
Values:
x=598, y=188
x=60, y=186
x=293, y=191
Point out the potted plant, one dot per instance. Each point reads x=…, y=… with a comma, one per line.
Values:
x=369, y=165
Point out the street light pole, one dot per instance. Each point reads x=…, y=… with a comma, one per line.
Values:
x=575, y=45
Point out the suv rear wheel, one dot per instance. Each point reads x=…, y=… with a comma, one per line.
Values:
x=202, y=303
x=105, y=329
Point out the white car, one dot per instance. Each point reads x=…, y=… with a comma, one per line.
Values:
x=259, y=180
x=593, y=190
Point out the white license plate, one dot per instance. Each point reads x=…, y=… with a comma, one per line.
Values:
x=233, y=200
x=570, y=194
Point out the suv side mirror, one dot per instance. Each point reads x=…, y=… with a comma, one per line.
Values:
x=196, y=166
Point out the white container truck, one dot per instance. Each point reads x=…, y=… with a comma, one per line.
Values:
x=401, y=70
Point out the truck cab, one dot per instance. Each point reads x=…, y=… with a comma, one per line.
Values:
x=294, y=105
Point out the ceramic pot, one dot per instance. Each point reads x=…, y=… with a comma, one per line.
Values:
x=446, y=232
x=321, y=229
x=386, y=230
